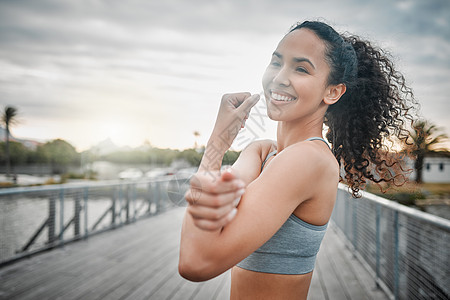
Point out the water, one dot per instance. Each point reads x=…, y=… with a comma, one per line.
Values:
x=22, y=215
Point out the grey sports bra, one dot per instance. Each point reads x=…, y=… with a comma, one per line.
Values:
x=291, y=250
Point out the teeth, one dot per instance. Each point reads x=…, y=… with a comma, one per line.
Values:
x=279, y=97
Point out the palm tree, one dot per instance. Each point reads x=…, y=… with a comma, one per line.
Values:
x=196, y=134
x=426, y=139
x=8, y=118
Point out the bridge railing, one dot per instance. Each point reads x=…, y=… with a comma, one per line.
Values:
x=35, y=219
x=407, y=250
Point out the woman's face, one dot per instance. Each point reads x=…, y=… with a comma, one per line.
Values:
x=296, y=79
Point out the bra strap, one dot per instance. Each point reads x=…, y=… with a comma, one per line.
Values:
x=316, y=138
x=267, y=157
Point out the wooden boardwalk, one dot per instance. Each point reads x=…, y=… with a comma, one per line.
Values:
x=139, y=261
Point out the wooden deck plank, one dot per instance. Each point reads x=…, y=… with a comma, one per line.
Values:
x=103, y=283
x=346, y=277
x=44, y=270
x=365, y=278
x=316, y=291
x=332, y=287
x=68, y=273
x=139, y=261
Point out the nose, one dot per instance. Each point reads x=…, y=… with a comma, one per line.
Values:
x=282, y=77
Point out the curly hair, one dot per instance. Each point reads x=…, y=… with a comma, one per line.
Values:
x=376, y=107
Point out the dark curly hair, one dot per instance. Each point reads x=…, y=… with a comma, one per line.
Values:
x=376, y=107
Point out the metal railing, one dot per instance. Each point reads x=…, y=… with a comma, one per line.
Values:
x=34, y=219
x=406, y=250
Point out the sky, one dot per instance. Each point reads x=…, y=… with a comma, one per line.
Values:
x=155, y=71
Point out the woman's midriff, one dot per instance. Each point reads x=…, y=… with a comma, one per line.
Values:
x=247, y=284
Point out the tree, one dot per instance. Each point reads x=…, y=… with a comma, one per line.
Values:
x=60, y=154
x=9, y=117
x=18, y=153
x=426, y=138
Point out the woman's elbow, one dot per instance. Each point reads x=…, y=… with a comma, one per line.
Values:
x=194, y=271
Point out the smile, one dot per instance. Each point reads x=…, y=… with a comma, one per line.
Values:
x=281, y=97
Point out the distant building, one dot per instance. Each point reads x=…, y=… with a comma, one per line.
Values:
x=436, y=168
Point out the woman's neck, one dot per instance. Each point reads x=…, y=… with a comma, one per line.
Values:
x=289, y=133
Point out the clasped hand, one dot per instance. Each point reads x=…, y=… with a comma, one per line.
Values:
x=213, y=199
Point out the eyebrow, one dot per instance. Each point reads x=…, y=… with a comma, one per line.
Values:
x=296, y=59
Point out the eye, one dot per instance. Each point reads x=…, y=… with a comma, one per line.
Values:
x=301, y=70
x=275, y=64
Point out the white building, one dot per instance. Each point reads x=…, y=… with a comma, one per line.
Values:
x=436, y=168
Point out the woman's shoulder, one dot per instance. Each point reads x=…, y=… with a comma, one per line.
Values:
x=308, y=156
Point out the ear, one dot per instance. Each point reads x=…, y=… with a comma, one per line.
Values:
x=333, y=93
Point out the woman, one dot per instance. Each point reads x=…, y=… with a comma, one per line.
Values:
x=287, y=187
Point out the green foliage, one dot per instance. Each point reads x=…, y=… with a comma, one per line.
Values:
x=153, y=156
x=164, y=157
x=9, y=116
x=59, y=152
x=191, y=156
x=230, y=157
x=406, y=198
x=18, y=153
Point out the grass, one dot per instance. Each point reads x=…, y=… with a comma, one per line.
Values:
x=411, y=192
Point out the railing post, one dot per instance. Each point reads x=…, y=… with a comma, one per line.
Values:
x=76, y=219
x=149, y=197
x=396, y=255
x=86, y=228
x=61, y=216
x=377, y=243
x=346, y=220
x=113, y=207
x=157, y=197
x=120, y=203
x=133, y=199
x=51, y=218
x=354, y=221
x=127, y=205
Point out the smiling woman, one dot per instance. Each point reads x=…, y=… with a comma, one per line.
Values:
x=265, y=218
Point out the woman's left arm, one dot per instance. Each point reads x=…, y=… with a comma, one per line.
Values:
x=268, y=201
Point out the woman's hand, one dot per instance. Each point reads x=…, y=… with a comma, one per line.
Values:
x=234, y=110
x=213, y=199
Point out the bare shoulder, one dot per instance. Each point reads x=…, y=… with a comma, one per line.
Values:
x=315, y=153
x=307, y=163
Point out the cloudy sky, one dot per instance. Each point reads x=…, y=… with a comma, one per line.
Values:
x=136, y=70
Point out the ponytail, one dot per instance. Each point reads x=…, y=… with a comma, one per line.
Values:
x=375, y=109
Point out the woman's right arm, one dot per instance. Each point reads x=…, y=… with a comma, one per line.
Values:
x=248, y=166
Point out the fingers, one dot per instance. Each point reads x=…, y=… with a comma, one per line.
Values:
x=249, y=103
x=214, y=184
x=210, y=225
x=201, y=198
x=230, y=174
x=212, y=214
x=236, y=99
x=243, y=101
